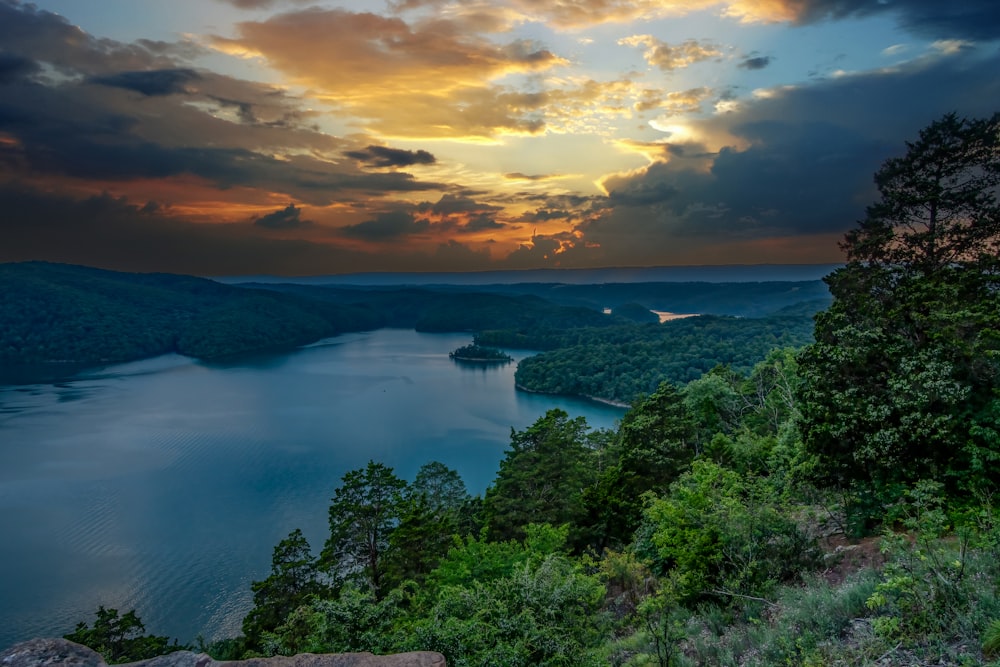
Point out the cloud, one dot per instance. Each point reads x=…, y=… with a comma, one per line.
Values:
x=756, y=62
x=518, y=176
x=383, y=156
x=150, y=83
x=260, y=4
x=669, y=57
x=460, y=257
x=110, y=232
x=255, y=139
x=289, y=217
x=387, y=226
x=456, y=204
x=14, y=67
x=481, y=223
x=969, y=19
x=792, y=165
x=440, y=72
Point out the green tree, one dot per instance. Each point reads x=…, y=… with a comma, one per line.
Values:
x=541, y=477
x=430, y=516
x=120, y=638
x=294, y=578
x=901, y=383
x=657, y=440
x=443, y=487
x=364, y=511
x=718, y=533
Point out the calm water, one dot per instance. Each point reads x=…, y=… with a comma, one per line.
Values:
x=163, y=485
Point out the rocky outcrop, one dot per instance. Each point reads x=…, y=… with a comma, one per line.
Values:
x=64, y=653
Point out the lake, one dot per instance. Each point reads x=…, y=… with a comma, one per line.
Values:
x=163, y=485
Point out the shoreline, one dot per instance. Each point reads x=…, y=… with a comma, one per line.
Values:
x=595, y=399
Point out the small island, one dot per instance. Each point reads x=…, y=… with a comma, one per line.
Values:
x=481, y=354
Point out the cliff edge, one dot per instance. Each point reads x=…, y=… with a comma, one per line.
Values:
x=64, y=653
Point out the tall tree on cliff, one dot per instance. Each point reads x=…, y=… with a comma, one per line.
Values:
x=363, y=513
x=902, y=381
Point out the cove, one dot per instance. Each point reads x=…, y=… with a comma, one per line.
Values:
x=163, y=485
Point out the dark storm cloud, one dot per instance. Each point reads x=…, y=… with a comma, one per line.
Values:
x=456, y=204
x=289, y=217
x=802, y=165
x=546, y=214
x=71, y=130
x=14, y=67
x=383, y=157
x=47, y=37
x=387, y=226
x=150, y=83
x=482, y=223
x=757, y=62
x=937, y=19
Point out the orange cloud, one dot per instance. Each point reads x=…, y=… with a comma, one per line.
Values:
x=583, y=14
x=432, y=78
x=669, y=57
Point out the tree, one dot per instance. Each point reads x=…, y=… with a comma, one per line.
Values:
x=540, y=478
x=363, y=513
x=721, y=534
x=294, y=578
x=656, y=443
x=120, y=638
x=901, y=383
x=444, y=488
x=429, y=518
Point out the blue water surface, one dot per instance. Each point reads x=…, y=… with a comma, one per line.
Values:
x=163, y=485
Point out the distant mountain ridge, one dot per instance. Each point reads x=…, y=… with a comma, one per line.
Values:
x=736, y=273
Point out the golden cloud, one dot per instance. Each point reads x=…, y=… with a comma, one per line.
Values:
x=432, y=78
x=669, y=57
x=582, y=14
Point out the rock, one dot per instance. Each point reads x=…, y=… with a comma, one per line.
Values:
x=64, y=653
x=39, y=652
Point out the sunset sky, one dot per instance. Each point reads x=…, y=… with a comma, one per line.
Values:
x=304, y=137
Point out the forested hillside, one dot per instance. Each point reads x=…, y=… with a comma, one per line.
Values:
x=53, y=313
x=623, y=362
x=58, y=319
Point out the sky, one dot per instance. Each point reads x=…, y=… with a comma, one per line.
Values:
x=310, y=137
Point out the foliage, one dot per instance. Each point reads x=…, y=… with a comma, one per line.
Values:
x=655, y=444
x=541, y=477
x=936, y=586
x=621, y=363
x=542, y=613
x=480, y=353
x=364, y=510
x=353, y=621
x=120, y=639
x=294, y=579
x=901, y=383
x=720, y=535
x=80, y=317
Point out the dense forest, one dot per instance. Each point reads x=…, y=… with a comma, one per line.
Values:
x=621, y=362
x=832, y=505
x=74, y=315
x=59, y=319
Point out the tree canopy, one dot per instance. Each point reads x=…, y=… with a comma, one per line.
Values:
x=901, y=383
